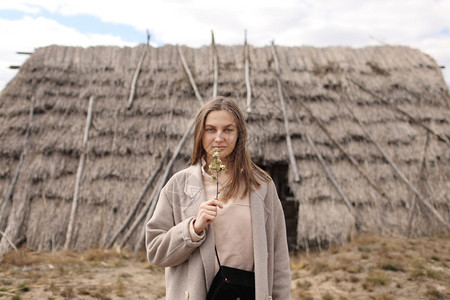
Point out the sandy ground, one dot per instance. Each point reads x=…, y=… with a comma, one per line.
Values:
x=370, y=267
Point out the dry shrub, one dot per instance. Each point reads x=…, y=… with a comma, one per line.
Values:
x=301, y=295
x=376, y=278
x=20, y=258
x=319, y=267
x=434, y=294
x=327, y=296
x=101, y=254
x=433, y=274
x=384, y=297
x=354, y=269
x=305, y=284
x=392, y=266
x=24, y=257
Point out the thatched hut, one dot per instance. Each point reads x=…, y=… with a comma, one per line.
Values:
x=355, y=139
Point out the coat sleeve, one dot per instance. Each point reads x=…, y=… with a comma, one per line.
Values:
x=168, y=243
x=282, y=272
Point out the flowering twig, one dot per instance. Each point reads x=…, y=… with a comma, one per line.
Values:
x=216, y=166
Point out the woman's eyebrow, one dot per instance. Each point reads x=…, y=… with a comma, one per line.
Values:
x=226, y=125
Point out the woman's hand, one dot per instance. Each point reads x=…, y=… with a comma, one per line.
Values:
x=206, y=214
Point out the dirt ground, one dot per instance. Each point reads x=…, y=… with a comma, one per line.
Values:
x=370, y=267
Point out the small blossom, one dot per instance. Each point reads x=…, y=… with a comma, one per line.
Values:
x=216, y=167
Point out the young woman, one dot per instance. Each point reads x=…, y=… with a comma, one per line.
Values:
x=244, y=224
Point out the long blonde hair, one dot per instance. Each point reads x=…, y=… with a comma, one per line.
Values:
x=244, y=171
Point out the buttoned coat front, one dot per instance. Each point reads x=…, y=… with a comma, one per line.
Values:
x=190, y=265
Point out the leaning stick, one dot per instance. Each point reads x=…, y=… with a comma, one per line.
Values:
x=216, y=69
x=189, y=74
x=410, y=117
x=151, y=204
x=247, y=75
x=401, y=175
x=154, y=201
x=328, y=172
x=144, y=191
x=137, y=220
x=79, y=174
x=335, y=143
x=286, y=121
x=411, y=187
x=8, y=240
x=423, y=169
x=12, y=186
x=135, y=78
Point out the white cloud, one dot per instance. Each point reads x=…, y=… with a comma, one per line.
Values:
x=31, y=33
x=416, y=23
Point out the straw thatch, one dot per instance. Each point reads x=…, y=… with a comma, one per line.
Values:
x=360, y=121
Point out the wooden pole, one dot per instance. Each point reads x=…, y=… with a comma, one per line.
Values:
x=335, y=143
x=422, y=177
x=8, y=240
x=247, y=76
x=401, y=174
x=151, y=204
x=154, y=201
x=155, y=194
x=136, y=205
x=189, y=74
x=12, y=185
x=286, y=121
x=216, y=68
x=411, y=118
x=139, y=218
x=79, y=174
x=330, y=174
x=135, y=78
x=332, y=178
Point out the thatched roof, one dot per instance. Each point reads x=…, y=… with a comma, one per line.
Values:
x=346, y=101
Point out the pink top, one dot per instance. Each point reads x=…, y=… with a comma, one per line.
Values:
x=232, y=228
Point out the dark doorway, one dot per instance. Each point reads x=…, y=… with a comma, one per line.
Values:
x=279, y=174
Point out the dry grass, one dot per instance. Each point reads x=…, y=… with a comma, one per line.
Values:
x=374, y=267
x=370, y=267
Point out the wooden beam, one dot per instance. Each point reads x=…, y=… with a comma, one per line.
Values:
x=154, y=201
x=423, y=171
x=401, y=174
x=327, y=170
x=440, y=136
x=79, y=174
x=330, y=137
x=141, y=197
x=135, y=78
x=12, y=185
x=189, y=74
x=150, y=206
x=215, y=64
x=8, y=240
x=285, y=117
x=247, y=75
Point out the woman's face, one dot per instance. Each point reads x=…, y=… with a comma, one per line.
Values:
x=220, y=132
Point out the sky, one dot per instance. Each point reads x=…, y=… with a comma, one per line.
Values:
x=27, y=25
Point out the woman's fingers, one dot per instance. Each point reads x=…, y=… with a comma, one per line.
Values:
x=206, y=214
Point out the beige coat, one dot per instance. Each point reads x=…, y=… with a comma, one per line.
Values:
x=190, y=265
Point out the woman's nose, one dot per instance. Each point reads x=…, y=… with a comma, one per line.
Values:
x=219, y=136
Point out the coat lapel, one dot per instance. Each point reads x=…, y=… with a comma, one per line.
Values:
x=194, y=189
x=260, y=215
